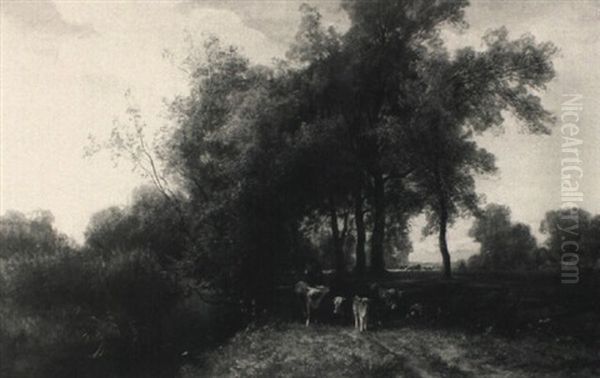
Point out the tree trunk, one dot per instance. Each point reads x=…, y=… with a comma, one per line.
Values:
x=338, y=247
x=360, y=234
x=444, y=244
x=378, y=236
x=443, y=219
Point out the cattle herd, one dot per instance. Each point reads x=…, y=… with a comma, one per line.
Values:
x=376, y=302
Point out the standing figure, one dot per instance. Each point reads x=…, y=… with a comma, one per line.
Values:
x=360, y=308
x=311, y=297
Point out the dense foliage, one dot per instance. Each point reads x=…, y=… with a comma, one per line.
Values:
x=572, y=230
x=504, y=246
x=358, y=131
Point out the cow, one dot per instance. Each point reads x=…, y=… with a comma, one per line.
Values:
x=338, y=305
x=311, y=297
x=342, y=309
x=360, y=309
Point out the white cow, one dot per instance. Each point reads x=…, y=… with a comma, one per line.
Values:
x=338, y=303
x=360, y=308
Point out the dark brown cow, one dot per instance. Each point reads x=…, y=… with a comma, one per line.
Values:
x=311, y=296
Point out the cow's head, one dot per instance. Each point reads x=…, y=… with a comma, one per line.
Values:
x=301, y=288
x=337, y=304
x=360, y=304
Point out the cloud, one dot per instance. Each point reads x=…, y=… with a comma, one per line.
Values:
x=278, y=20
x=42, y=17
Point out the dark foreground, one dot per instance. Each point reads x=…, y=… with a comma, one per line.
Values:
x=477, y=325
x=292, y=350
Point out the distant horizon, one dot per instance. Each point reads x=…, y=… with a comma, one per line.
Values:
x=468, y=248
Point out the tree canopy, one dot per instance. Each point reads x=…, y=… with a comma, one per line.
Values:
x=31, y=235
x=572, y=230
x=504, y=245
x=353, y=132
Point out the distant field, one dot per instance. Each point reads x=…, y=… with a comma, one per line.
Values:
x=292, y=350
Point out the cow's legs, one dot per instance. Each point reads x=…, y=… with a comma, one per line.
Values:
x=307, y=313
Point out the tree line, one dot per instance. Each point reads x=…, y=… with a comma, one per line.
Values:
x=352, y=134
x=355, y=132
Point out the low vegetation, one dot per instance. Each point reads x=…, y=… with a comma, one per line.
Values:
x=292, y=350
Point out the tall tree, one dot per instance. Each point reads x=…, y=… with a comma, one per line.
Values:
x=240, y=151
x=383, y=43
x=359, y=77
x=465, y=95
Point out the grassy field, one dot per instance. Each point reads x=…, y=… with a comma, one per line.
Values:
x=292, y=350
x=516, y=325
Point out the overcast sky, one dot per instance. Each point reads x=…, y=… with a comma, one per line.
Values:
x=66, y=66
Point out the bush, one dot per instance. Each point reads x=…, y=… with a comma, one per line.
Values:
x=96, y=312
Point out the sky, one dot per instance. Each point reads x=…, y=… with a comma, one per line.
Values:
x=66, y=65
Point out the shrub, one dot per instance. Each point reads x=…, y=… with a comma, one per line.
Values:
x=94, y=311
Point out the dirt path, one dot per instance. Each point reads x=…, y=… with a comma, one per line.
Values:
x=291, y=350
x=431, y=353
